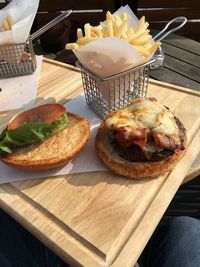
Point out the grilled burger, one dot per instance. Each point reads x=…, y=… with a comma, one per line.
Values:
x=143, y=140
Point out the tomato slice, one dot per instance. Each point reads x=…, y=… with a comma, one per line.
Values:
x=46, y=113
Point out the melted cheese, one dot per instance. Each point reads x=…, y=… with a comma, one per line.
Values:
x=148, y=114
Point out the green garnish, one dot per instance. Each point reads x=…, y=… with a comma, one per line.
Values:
x=30, y=133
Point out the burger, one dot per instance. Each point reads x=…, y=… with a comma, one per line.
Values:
x=143, y=140
x=43, y=138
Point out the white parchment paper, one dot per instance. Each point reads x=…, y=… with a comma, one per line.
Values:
x=87, y=160
x=19, y=91
x=22, y=13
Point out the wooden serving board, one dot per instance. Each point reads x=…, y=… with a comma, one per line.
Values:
x=100, y=219
x=60, y=82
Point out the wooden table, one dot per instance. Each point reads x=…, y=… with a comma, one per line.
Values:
x=97, y=219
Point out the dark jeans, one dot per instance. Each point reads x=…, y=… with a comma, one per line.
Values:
x=18, y=248
x=176, y=243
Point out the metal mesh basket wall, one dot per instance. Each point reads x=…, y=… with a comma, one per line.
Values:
x=115, y=92
x=17, y=60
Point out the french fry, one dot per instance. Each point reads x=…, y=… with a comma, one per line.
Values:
x=87, y=29
x=121, y=29
x=94, y=32
x=99, y=32
x=110, y=28
x=154, y=47
x=116, y=26
x=146, y=31
x=124, y=35
x=109, y=16
x=79, y=33
x=140, y=32
x=10, y=21
x=103, y=24
x=140, y=26
x=130, y=33
x=146, y=25
x=85, y=40
x=124, y=17
x=141, y=39
x=7, y=24
x=147, y=46
x=118, y=19
x=72, y=46
x=142, y=51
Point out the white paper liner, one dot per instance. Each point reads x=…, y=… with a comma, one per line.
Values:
x=19, y=91
x=22, y=13
x=108, y=56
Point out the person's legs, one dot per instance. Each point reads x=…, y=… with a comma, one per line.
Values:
x=18, y=248
x=175, y=243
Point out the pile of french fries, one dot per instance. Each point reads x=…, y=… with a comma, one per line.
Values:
x=117, y=26
x=7, y=24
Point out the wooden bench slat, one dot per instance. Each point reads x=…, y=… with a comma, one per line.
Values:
x=43, y=18
x=184, y=68
x=46, y=5
x=169, y=76
x=186, y=56
x=168, y=3
x=169, y=13
x=186, y=44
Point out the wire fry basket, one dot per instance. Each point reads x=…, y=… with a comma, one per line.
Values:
x=17, y=59
x=104, y=95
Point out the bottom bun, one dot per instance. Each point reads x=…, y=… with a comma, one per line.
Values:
x=136, y=170
x=54, y=152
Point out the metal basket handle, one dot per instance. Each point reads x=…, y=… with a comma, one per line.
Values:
x=163, y=32
x=62, y=16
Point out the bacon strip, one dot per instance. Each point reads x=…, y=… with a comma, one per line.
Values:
x=164, y=141
x=126, y=136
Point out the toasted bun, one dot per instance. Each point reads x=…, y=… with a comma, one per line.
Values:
x=136, y=170
x=55, y=151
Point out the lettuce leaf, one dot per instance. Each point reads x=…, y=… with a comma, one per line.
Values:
x=30, y=133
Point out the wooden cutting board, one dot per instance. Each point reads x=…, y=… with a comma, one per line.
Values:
x=100, y=219
x=60, y=82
